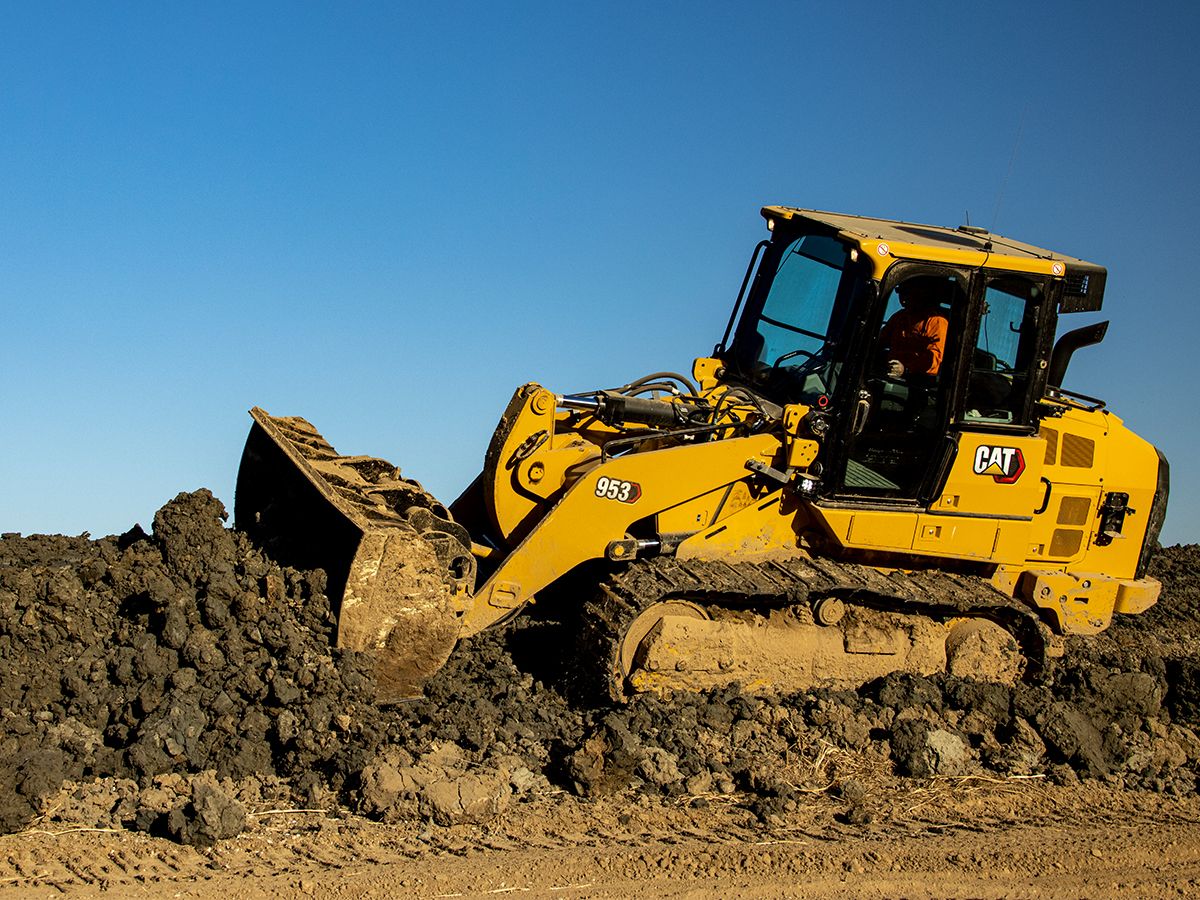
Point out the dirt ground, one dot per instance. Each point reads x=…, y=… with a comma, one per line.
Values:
x=955, y=837
x=174, y=722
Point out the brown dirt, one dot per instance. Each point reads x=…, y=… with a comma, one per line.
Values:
x=953, y=837
x=182, y=685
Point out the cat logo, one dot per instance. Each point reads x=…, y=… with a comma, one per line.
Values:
x=1004, y=464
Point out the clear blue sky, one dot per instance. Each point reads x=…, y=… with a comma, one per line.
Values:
x=386, y=217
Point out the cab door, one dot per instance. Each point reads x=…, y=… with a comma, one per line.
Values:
x=895, y=438
x=994, y=487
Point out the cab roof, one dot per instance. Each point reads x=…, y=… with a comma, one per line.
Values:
x=965, y=245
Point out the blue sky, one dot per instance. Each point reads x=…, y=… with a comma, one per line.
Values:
x=386, y=217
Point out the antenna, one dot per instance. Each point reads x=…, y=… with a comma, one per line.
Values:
x=1012, y=159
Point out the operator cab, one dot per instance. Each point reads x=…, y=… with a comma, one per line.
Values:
x=825, y=323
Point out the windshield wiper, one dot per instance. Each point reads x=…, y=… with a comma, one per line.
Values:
x=798, y=330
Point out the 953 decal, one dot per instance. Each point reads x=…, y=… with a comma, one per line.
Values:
x=616, y=489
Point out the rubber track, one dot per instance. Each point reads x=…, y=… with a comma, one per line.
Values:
x=778, y=583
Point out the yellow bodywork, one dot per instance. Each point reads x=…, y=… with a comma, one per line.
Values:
x=1037, y=533
x=584, y=519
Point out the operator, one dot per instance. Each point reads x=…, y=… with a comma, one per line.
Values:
x=914, y=337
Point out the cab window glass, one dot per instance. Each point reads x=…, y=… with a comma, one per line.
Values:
x=1003, y=356
x=795, y=318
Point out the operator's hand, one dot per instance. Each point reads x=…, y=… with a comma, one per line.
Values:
x=895, y=368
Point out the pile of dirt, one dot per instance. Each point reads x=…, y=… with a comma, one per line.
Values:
x=1164, y=639
x=174, y=681
x=1096, y=723
x=185, y=652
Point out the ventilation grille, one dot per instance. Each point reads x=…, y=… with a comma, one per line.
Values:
x=1076, y=284
x=1065, y=542
x=1051, y=437
x=1074, y=510
x=1078, y=452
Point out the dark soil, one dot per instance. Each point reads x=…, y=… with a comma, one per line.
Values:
x=185, y=652
x=197, y=676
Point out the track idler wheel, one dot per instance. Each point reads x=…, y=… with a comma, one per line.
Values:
x=642, y=632
x=983, y=650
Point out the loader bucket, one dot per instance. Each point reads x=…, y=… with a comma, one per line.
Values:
x=398, y=569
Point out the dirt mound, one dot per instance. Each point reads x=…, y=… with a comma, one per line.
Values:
x=1164, y=639
x=196, y=677
x=183, y=652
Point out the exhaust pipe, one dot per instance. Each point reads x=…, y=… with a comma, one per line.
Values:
x=1065, y=347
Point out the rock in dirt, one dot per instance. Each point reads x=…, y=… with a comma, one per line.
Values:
x=922, y=749
x=443, y=785
x=212, y=814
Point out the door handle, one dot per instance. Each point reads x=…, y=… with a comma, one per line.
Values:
x=1045, y=500
x=862, y=411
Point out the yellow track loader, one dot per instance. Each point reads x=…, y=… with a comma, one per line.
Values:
x=876, y=469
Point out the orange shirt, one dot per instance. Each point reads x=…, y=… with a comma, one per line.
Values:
x=917, y=338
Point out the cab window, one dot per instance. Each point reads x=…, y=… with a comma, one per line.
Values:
x=1003, y=357
x=788, y=340
x=795, y=317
